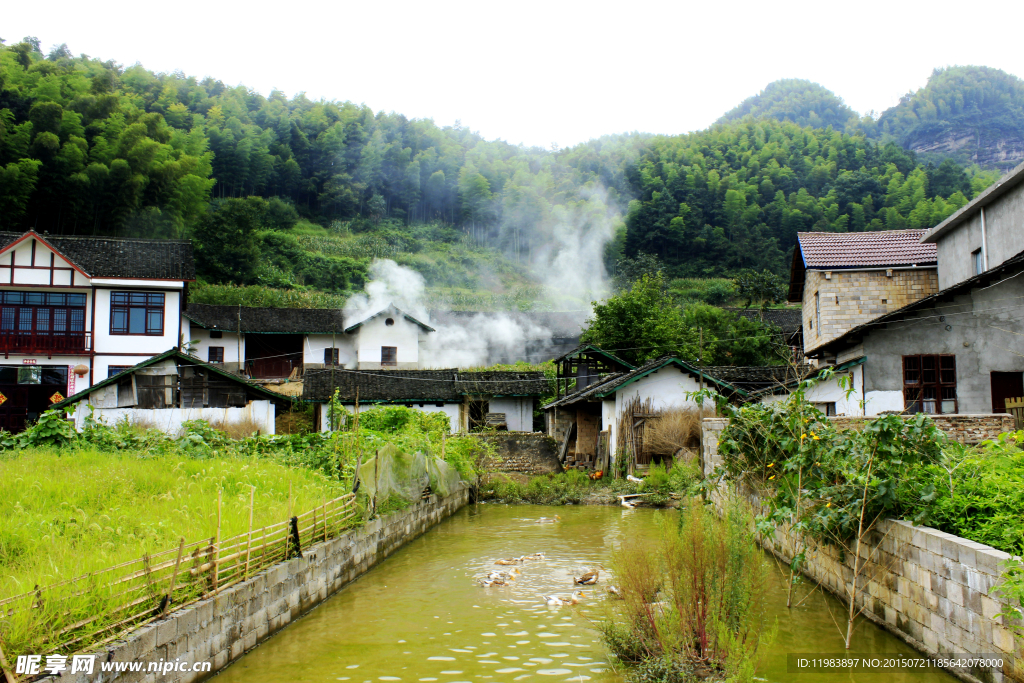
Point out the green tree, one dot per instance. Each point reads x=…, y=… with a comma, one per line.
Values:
x=641, y=324
x=760, y=289
x=227, y=244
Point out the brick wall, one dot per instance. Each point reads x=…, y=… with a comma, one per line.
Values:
x=222, y=628
x=970, y=429
x=587, y=428
x=860, y=298
x=934, y=590
x=526, y=453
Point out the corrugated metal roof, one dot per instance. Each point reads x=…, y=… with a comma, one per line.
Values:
x=866, y=249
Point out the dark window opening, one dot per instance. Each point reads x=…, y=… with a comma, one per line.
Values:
x=116, y=369
x=389, y=322
x=155, y=391
x=216, y=334
x=478, y=414
x=389, y=356
x=929, y=384
x=331, y=356
x=216, y=354
x=1006, y=385
x=137, y=313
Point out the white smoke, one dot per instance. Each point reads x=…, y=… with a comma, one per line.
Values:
x=389, y=284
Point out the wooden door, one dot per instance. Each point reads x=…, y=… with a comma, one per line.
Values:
x=1006, y=385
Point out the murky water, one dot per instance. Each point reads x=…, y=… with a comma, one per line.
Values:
x=422, y=616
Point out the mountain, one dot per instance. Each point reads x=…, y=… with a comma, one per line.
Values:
x=974, y=114
x=794, y=99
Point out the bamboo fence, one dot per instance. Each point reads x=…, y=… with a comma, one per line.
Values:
x=95, y=608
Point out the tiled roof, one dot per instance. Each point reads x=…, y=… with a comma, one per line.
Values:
x=608, y=384
x=122, y=257
x=590, y=348
x=865, y=249
x=753, y=378
x=424, y=386
x=181, y=359
x=267, y=320
x=789, y=320
x=568, y=324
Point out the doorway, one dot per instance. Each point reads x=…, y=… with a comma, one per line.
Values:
x=1006, y=385
x=29, y=390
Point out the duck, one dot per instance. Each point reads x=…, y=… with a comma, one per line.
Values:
x=615, y=592
x=509, y=561
x=587, y=579
x=535, y=556
x=549, y=520
x=559, y=601
x=489, y=582
x=637, y=480
x=503, y=576
x=629, y=505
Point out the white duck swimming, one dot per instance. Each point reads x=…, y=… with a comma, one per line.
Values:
x=559, y=601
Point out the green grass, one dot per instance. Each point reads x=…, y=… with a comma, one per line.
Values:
x=66, y=515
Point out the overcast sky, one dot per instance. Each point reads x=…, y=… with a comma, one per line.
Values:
x=538, y=72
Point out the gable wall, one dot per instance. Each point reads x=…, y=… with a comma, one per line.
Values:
x=860, y=294
x=37, y=268
x=374, y=334
x=1004, y=235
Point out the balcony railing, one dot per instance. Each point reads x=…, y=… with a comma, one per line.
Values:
x=61, y=343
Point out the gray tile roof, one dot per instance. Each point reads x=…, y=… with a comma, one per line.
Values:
x=118, y=257
x=267, y=320
x=423, y=386
x=756, y=377
x=789, y=320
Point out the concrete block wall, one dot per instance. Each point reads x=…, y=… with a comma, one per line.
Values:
x=227, y=625
x=935, y=590
x=523, y=452
x=852, y=297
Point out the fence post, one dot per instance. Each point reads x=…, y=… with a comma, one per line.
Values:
x=6, y=667
x=248, y=542
x=216, y=544
x=325, y=521
x=174, y=578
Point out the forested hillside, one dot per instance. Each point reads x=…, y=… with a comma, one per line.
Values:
x=971, y=113
x=298, y=196
x=803, y=102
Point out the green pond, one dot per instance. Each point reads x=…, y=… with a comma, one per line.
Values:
x=421, y=615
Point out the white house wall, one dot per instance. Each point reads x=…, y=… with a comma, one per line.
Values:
x=170, y=420
x=610, y=424
x=314, y=345
x=830, y=391
x=375, y=333
x=232, y=342
x=518, y=412
x=136, y=344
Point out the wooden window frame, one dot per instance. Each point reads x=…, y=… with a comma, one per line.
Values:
x=215, y=351
x=332, y=355
x=921, y=392
x=392, y=353
x=125, y=302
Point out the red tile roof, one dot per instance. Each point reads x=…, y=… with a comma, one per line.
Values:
x=865, y=249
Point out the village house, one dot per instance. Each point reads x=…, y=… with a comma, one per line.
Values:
x=498, y=399
x=76, y=310
x=603, y=392
x=170, y=388
x=845, y=279
x=957, y=350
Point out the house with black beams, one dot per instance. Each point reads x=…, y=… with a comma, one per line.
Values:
x=75, y=310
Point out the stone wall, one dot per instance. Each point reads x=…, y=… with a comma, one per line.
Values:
x=850, y=297
x=523, y=452
x=934, y=590
x=971, y=429
x=222, y=628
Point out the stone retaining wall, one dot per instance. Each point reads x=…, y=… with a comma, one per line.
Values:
x=523, y=452
x=222, y=628
x=934, y=590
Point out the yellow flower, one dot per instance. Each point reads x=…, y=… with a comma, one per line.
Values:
x=771, y=477
x=828, y=505
x=817, y=438
x=803, y=436
x=771, y=465
x=818, y=464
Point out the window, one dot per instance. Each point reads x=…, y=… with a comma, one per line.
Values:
x=929, y=384
x=389, y=322
x=827, y=409
x=331, y=356
x=817, y=312
x=116, y=369
x=216, y=354
x=389, y=356
x=216, y=334
x=136, y=313
x=977, y=262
